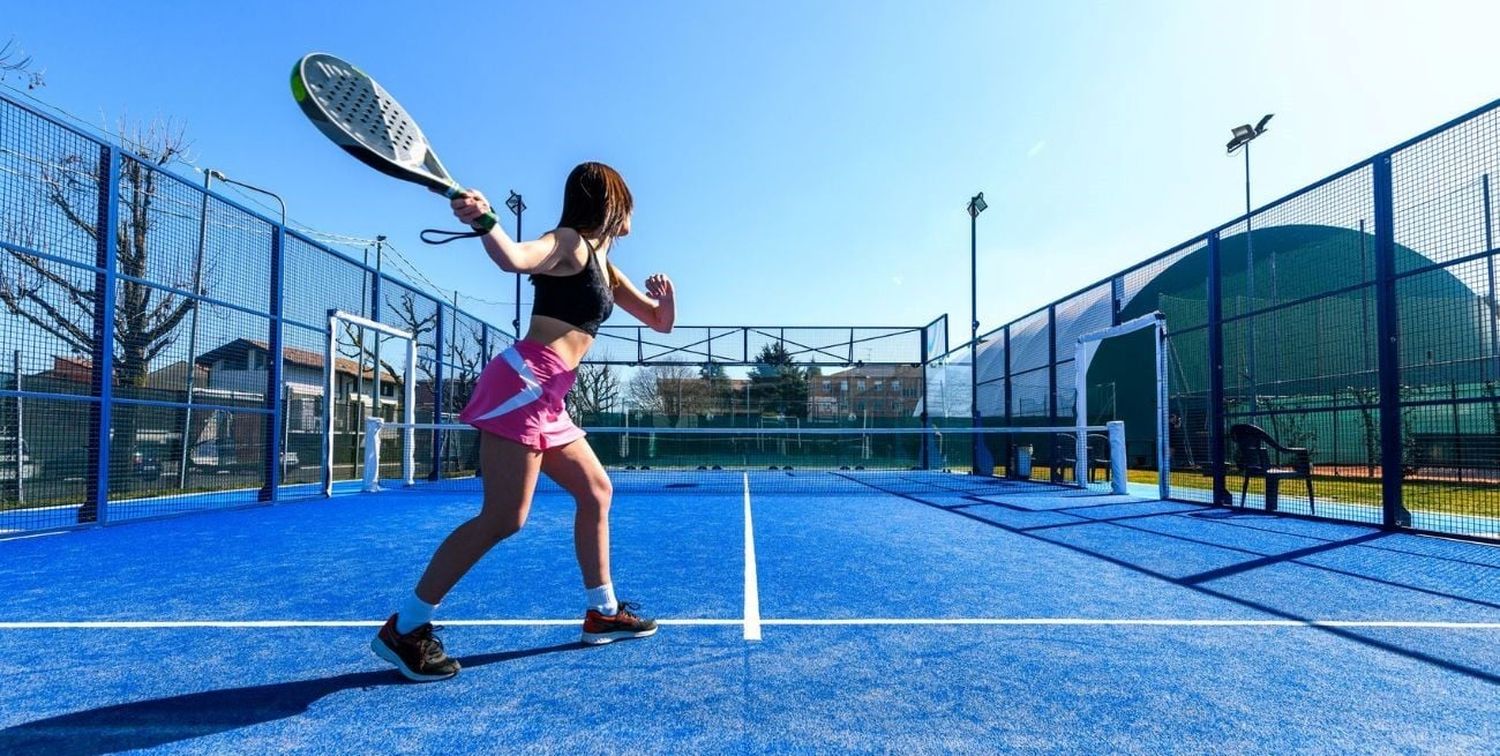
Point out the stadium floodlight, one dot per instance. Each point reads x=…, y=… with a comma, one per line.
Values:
x=977, y=205
x=1244, y=134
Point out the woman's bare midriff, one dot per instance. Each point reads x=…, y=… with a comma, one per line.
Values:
x=570, y=343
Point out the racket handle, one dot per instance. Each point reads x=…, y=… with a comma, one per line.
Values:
x=485, y=222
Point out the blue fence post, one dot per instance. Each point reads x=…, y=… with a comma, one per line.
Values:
x=1116, y=298
x=1052, y=375
x=437, y=393
x=101, y=416
x=1489, y=264
x=275, y=385
x=1388, y=330
x=926, y=452
x=1010, y=447
x=1216, y=372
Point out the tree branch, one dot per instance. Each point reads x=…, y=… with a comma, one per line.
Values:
x=8, y=297
x=81, y=297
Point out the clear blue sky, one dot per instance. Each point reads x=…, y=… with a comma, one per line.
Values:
x=796, y=162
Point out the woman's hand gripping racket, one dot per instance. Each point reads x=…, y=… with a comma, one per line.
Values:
x=355, y=112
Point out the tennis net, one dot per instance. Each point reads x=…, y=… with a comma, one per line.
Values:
x=414, y=456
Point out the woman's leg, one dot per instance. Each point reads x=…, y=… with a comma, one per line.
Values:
x=578, y=471
x=509, y=473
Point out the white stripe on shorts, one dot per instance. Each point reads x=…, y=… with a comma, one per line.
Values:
x=531, y=388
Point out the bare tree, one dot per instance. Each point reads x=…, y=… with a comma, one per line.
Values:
x=15, y=62
x=595, y=391
x=643, y=394
x=672, y=391
x=63, y=301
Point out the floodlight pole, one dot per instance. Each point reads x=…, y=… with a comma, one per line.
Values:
x=517, y=206
x=192, y=356
x=1250, y=282
x=1243, y=136
x=976, y=206
x=192, y=369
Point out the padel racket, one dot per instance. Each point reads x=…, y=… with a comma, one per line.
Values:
x=355, y=112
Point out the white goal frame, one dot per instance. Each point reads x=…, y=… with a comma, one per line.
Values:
x=1087, y=345
x=336, y=318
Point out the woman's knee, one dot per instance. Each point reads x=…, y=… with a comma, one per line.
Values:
x=501, y=522
x=497, y=528
x=597, y=496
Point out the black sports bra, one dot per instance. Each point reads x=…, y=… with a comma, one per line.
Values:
x=582, y=300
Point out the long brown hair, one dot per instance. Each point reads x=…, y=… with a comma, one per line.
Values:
x=596, y=201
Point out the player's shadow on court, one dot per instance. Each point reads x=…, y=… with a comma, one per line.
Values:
x=161, y=721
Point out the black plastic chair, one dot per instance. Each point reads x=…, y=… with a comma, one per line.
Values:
x=1253, y=458
x=1065, y=459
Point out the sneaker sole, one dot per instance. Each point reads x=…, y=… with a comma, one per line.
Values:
x=384, y=652
x=599, y=639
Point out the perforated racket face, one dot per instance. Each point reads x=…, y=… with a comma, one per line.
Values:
x=359, y=115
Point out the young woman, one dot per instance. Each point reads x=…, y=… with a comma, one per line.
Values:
x=525, y=431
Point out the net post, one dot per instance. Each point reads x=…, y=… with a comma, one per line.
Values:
x=373, y=426
x=1117, y=474
x=409, y=416
x=438, y=376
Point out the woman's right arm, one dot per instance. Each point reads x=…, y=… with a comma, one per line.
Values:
x=512, y=256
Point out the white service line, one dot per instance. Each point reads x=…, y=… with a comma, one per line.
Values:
x=1080, y=621
x=758, y=622
x=752, y=584
x=262, y=624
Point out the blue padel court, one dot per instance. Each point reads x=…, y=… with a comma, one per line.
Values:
x=890, y=612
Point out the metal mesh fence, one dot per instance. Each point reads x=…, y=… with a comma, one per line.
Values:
x=168, y=350
x=165, y=348
x=1354, y=322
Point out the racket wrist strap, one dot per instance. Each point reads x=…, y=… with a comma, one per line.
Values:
x=440, y=236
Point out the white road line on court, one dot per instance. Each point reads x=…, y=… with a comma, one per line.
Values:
x=688, y=622
x=752, y=584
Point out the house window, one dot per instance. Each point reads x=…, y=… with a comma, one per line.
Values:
x=843, y=385
x=827, y=385
x=387, y=389
x=895, y=385
x=861, y=384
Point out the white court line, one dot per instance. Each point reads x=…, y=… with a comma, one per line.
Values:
x=850, y=622
x=752, y=584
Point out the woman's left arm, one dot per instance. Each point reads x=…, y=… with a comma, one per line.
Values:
x=656, y=308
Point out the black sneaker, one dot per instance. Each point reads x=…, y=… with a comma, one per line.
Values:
x=418, y=654
x=602, y=628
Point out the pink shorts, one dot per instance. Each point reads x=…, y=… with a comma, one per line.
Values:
x=520, y=397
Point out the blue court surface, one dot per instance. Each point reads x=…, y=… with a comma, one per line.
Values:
x=891, y=614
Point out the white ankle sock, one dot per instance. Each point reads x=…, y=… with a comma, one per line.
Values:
x=413, y=614
x=602, y=599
